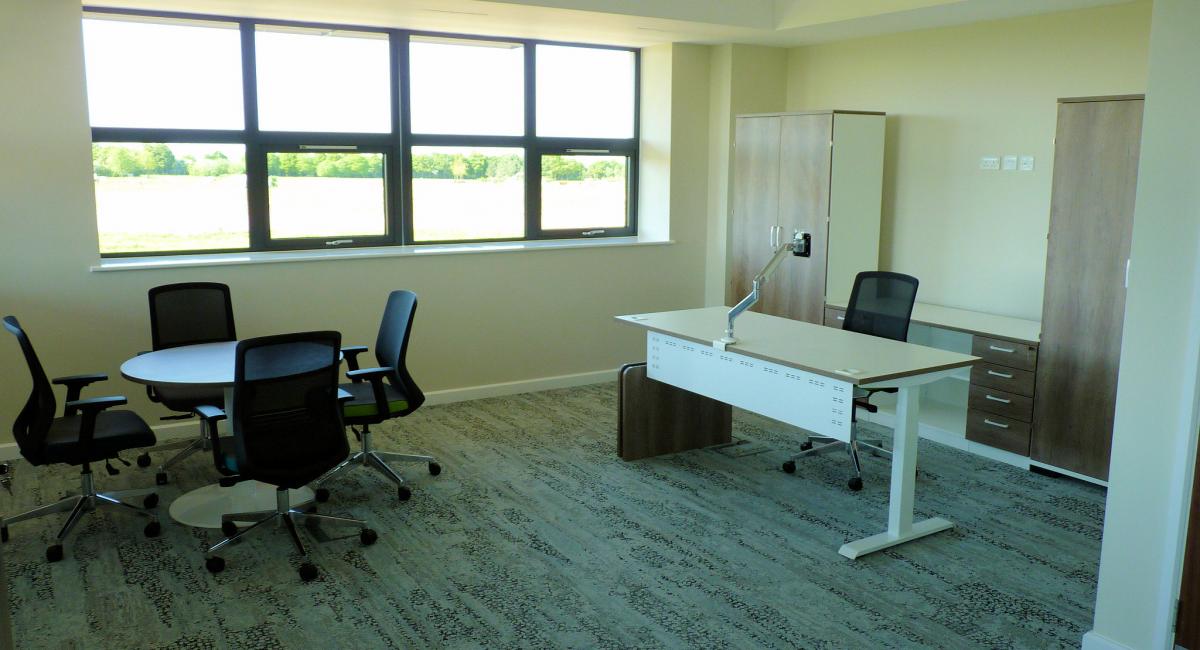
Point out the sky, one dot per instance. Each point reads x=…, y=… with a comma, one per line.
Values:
x=155, y=75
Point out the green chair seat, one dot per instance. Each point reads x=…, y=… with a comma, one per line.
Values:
x=363, y=403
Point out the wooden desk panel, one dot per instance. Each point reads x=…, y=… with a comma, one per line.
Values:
x=654, y=418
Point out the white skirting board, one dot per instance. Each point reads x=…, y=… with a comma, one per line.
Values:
x=1093, y=641
x=169, y=431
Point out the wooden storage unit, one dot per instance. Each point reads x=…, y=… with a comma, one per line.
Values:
x=819, y=172
x=1097, y=146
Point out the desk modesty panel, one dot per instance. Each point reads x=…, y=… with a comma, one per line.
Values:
x=857, y=359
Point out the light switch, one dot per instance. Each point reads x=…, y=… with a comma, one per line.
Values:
x=1010, y=163
x=989, y=163
x=1026, y=163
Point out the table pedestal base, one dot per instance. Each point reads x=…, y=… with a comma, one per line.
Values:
x=881, y=541
x=203, y=507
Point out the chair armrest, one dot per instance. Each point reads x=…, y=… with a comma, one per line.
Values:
x=343, y=396
x=351, y=352
x=375, y=376
x=210, y=413
x=75, y=385
x=91, y=408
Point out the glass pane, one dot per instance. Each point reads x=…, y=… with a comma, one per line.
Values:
x=170, y=197
x=328, y=81
x=162, y=75
x=584, y=92
x=468, y=193
x=580, y=192
x=326, y=195
x=467, y=87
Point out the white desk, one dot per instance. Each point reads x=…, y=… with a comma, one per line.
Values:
x=211, y=365
x=804, y=374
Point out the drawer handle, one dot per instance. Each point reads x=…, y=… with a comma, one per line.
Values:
x=1000, y=349
x=999, y=374
x=841, y=317
x=998, y=399
x=995, y=424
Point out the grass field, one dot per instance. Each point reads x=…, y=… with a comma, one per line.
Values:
x=162, y=213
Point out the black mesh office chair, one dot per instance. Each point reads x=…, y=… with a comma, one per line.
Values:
x=381, y=393
x=881, y=304
x=86, y=433
x=287, y=431
x=188, y=313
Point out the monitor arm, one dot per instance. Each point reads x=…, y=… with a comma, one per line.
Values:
x=799, y=246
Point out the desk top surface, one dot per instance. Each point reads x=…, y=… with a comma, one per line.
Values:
x=973, y=322
x=848, y=356
x=205, y=364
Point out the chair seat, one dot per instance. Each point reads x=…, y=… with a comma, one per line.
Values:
x=116, y=431
x=363, y=403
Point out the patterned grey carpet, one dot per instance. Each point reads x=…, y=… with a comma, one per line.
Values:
x=537, y=535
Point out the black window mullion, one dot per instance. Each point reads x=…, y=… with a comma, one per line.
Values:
x=256, y=155
x=396, y=162
x=533, y=158
x=403, y=91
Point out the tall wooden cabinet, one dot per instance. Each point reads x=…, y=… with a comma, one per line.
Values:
x=819, y=172
x=1096, y=152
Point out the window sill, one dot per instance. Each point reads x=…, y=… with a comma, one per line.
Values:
x=273, y=257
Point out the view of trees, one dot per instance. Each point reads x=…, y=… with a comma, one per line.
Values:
x=159, y=159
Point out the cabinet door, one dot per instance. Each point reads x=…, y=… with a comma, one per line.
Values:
x=755, y=203
x=1091, y=222
x=798, y=289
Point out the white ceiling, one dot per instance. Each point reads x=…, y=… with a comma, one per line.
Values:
x=635, y=22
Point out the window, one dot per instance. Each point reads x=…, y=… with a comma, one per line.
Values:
x=246, y=134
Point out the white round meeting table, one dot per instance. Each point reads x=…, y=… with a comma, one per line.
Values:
x=209, y=365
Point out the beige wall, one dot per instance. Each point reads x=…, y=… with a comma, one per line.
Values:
x=484, y=318
x=1154, y=433
x=976, y=239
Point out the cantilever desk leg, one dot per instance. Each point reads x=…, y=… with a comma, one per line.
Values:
x=901, y=528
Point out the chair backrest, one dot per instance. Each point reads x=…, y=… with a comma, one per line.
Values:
x=33, y=422
x=190, y=313
x=881, y=304
x=391, y=346
x=286, y=418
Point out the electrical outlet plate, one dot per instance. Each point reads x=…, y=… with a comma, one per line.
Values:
x=1009, y=164
x=1026, y=164
x=989, y=163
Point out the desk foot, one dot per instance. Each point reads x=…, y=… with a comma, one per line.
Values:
x=203, y=507
x=858, y=548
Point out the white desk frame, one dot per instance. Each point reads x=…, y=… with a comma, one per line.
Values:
x=212, y=365
x=816, y=402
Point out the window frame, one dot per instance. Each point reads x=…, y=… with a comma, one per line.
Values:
x=396, y=146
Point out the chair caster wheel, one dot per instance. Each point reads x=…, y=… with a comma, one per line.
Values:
x=228, y=528
x=150, y=502
x=4, y=534
x=160, y=478
x=152, y=529
x=855, y=484
x=308, y=572
x=215, y=564
x=321, y=495
x=368, y=537
x=404, y=493
x=435, y=469
x=143, y=460
x=789, y=466
x=54, y=553
x=806, y=445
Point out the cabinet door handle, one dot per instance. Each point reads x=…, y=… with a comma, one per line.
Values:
x=841, y=317
x=1000, y=349
x=998, y=425
x=999, y=374
x=998, y=399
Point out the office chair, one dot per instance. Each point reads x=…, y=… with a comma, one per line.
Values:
x=188, y=313
x=881, y=304
x=86, y=433
x=381, y=393
x=287, y=431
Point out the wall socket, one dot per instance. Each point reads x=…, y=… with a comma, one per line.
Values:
x=989, y=163
x=1026, y=164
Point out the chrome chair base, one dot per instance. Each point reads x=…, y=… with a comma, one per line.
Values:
x=369, y=457
x=89, y=500
x=817, y=445
x=186, y=446
x=288, y=516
